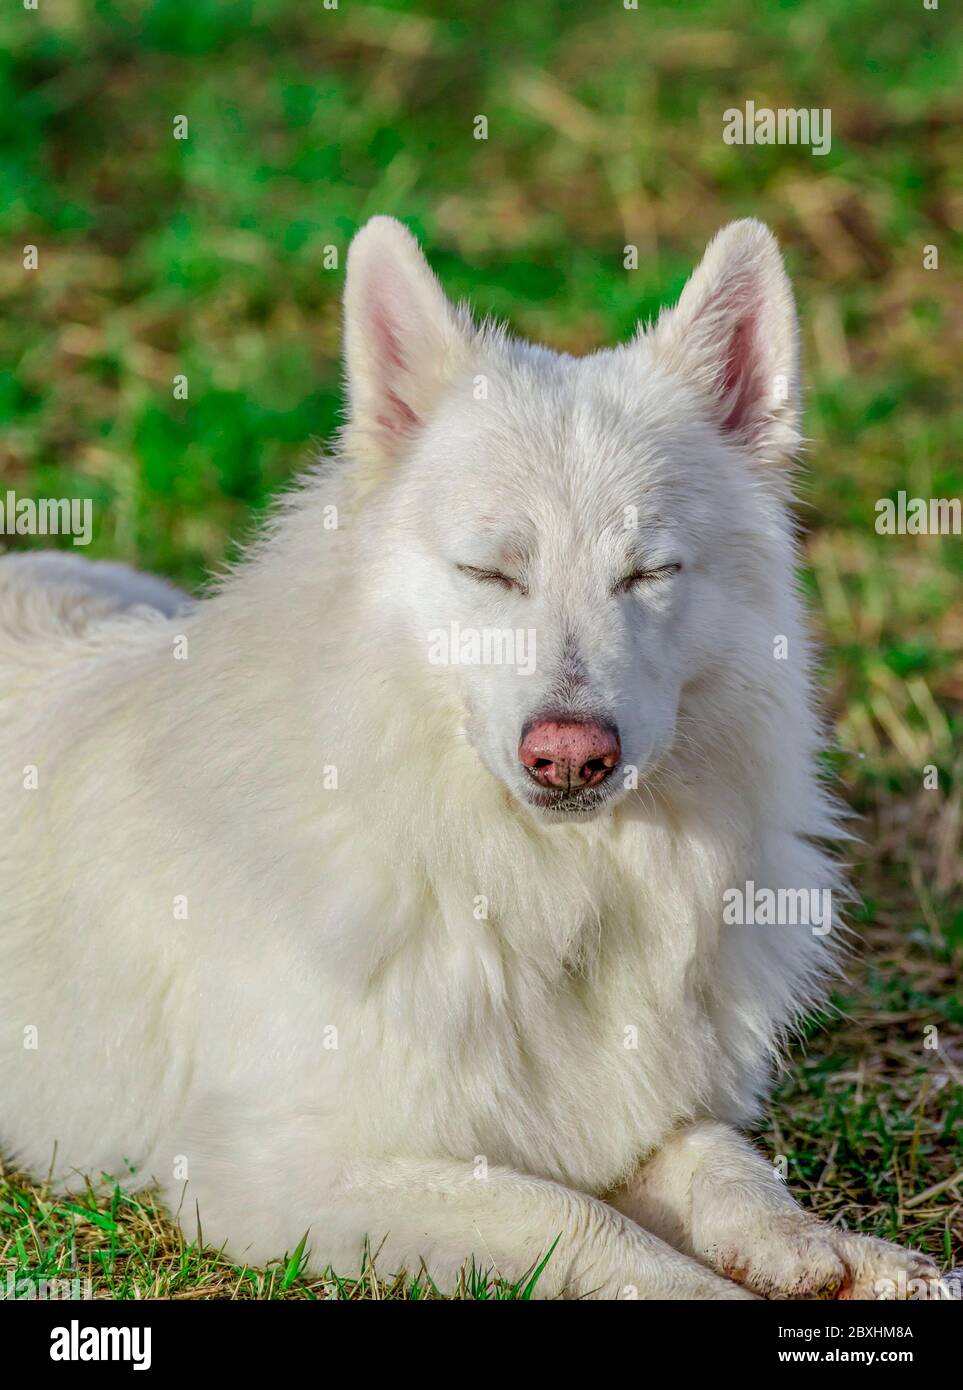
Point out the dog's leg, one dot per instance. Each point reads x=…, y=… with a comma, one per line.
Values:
x=440, y=1215
x=710, y=1194
x=508, y=1223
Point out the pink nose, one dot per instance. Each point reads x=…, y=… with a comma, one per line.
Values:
x=568, y=754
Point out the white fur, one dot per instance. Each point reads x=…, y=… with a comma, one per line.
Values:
x=480, y=959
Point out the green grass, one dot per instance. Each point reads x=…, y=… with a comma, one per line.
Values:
x=207, y=257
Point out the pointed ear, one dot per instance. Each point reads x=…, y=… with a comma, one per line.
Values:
x=734, y=335
x=403, y=339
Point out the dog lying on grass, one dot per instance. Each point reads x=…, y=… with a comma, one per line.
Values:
x=327, y=912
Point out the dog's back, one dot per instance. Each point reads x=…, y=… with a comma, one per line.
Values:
x=51, y=588
x=73, y=637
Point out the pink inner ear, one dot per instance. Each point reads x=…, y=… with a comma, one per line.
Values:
x=387, y=347
x=399, y=418
x=743, y=390
x=396, y=414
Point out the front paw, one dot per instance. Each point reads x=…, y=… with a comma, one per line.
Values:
x=794, y=1256
x=791, y=1256
x=880, y=1270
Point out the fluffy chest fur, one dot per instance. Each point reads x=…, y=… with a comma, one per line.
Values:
x=550, y=1005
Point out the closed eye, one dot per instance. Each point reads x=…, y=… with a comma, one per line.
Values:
x=492, y=577
x=640, y=577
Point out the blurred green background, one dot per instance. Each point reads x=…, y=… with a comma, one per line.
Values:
x=206, y=256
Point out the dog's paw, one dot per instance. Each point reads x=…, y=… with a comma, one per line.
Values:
x=797, y=1257
x=878, y=1269
x=788, y=1258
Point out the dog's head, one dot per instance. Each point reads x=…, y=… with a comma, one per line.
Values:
x=572, y=544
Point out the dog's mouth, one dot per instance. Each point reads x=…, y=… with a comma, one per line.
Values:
x=564, y=802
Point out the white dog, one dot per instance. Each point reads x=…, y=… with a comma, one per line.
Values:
x=381, y=894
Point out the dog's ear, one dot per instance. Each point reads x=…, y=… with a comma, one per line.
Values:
x=403, y=340
x=735, y=336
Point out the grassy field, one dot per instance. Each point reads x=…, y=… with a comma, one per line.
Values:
x=210, y=257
